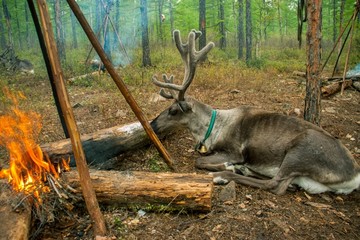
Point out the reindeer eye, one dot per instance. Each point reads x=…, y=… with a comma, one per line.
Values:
x=173, y=111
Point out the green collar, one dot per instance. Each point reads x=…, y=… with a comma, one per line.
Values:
x=208, y=132
x=211, y=125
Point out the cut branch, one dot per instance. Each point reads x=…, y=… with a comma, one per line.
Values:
x=166, y=191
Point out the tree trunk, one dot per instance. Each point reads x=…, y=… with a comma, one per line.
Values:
x=2, y=33
x=116, y=26
x=160, y=21
x=60, y=41
x=280, y=21
x=313, y=50
x=18, y=25
x=241, y=29
x=73, y=30
x=202, y=24
x=107, y=44
x=334, y=20
x=8, y=22
x=98, y=18
x=248, y=31
x=171, y=13
x=28, y=41
x=161, y=190
x=146, y=61
x=222, y=29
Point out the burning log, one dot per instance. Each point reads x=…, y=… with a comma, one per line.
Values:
x=174, y=191
x=103, y=144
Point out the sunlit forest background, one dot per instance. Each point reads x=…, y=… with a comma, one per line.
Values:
x=257, y=34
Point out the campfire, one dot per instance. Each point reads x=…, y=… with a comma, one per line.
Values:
x=30, y=170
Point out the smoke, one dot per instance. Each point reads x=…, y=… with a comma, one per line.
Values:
x=121, y=26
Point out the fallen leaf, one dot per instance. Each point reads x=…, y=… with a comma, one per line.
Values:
x=217, y=228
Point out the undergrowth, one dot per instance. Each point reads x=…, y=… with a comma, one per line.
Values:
x=221, y=67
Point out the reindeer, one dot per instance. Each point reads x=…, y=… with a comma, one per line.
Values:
x=21, y=65
x=251, y=146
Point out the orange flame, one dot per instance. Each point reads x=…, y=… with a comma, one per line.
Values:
x=28, y=165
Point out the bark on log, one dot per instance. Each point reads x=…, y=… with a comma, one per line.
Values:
x=334, y=88
x=103, y=144
x=15, y=224
x=165, y=191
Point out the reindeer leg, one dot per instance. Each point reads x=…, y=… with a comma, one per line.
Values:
x=275, y=185
x=217, y=162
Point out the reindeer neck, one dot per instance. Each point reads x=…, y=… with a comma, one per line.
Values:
x=203, y=123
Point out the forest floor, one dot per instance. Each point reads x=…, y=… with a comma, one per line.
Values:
x=253, y=213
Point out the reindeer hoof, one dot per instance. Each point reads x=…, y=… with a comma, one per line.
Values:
x=229, y=167
x=219, y=180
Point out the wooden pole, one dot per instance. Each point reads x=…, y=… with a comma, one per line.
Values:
x=47, y=64
x=120, y=84
x=353, y=19
x=85, y=181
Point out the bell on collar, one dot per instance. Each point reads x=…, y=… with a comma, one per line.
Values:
x=202, y=149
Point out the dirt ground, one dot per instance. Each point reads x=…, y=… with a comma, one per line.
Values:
x=252, y=213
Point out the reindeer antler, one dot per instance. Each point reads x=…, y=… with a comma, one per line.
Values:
x=190, y=58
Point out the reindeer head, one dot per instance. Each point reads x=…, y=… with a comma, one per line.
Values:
x=185, y=111
x=182, y=110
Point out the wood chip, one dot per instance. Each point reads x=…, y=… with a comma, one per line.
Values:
x=319, y=205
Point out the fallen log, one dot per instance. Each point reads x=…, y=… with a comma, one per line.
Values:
x=163, y=191
x=299, y=74
x=15, y=221
x=103, y=144
x=96, y=73
x=334, y=88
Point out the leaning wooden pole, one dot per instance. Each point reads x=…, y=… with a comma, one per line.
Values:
x=47, y=64
x=120, y=84
x=85, y=181
x=353, y=19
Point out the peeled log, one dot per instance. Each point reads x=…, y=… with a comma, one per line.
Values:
x=171, y=191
